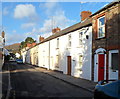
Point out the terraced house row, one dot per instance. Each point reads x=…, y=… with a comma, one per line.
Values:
x=89, y=49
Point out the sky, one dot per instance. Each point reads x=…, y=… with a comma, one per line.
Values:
x=34, y=19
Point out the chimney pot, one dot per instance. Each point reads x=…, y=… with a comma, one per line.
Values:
x=41, y=39
x=55, y=30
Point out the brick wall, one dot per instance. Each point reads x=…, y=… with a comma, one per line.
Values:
x=112, y=35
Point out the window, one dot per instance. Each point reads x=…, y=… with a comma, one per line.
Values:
x=57, y=61
x=57, y=42
x=114, y=61
x=80, y=38
x=101, y=27
x=69, y=40
x=80, y=61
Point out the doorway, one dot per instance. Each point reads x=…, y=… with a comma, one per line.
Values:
x=101, y=62
x=69, y=65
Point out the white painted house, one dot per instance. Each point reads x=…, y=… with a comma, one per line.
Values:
x=68, y=51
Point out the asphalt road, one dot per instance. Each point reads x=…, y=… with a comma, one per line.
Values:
x=27, y=82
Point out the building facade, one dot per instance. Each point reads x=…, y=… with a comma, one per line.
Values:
x=68, y=51
x=89, y=49
x=106, y=43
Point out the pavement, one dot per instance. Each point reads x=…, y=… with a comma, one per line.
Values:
x=79, y=82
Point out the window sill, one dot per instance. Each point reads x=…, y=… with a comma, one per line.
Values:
x=114, y=70
x=68, y=48
x=80, y=46
x=57, y=48
x=100, y=38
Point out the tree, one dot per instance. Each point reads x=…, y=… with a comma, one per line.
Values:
x=23, y=45
x=27, y=40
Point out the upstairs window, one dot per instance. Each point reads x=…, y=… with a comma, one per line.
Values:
x=80, y=38
x=101, y=27
x=57, y=42
x=69, y=40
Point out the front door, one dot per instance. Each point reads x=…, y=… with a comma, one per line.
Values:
x=101, y=63
x=69, y=65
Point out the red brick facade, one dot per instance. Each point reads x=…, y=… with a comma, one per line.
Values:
x=111, y=41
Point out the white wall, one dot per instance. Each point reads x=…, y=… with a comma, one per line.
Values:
x=43, y=55
x=48, y=53
x=23, y=56
x=85, y=50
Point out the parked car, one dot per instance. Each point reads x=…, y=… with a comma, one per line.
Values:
x=19, y=61
x=109, y=89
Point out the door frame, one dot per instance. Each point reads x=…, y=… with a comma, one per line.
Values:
x=97, y=52
x=111, y=72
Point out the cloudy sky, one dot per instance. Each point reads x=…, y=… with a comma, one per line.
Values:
x=23, y=19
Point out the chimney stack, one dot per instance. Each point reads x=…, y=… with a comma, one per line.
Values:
x=85, y=15
x=55, y=30
x=41, y=39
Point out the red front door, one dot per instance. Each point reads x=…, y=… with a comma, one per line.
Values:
x=101, y=62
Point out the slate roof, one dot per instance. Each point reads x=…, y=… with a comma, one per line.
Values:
x=69, y=29
x=107, y=6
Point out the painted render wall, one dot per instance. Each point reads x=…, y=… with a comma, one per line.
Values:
x=43, y=55
x=48, y=54
x=55, y=58
x=34, y=55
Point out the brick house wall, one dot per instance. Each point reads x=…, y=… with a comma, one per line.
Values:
x=111, y=40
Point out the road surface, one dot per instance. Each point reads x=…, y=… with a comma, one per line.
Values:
x=27, y=82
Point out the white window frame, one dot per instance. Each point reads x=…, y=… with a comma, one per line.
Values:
x=80, y=61
x=57, y=43
x=110, y=58
x=103, y=26
x=69, y=40
x=80, y=38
